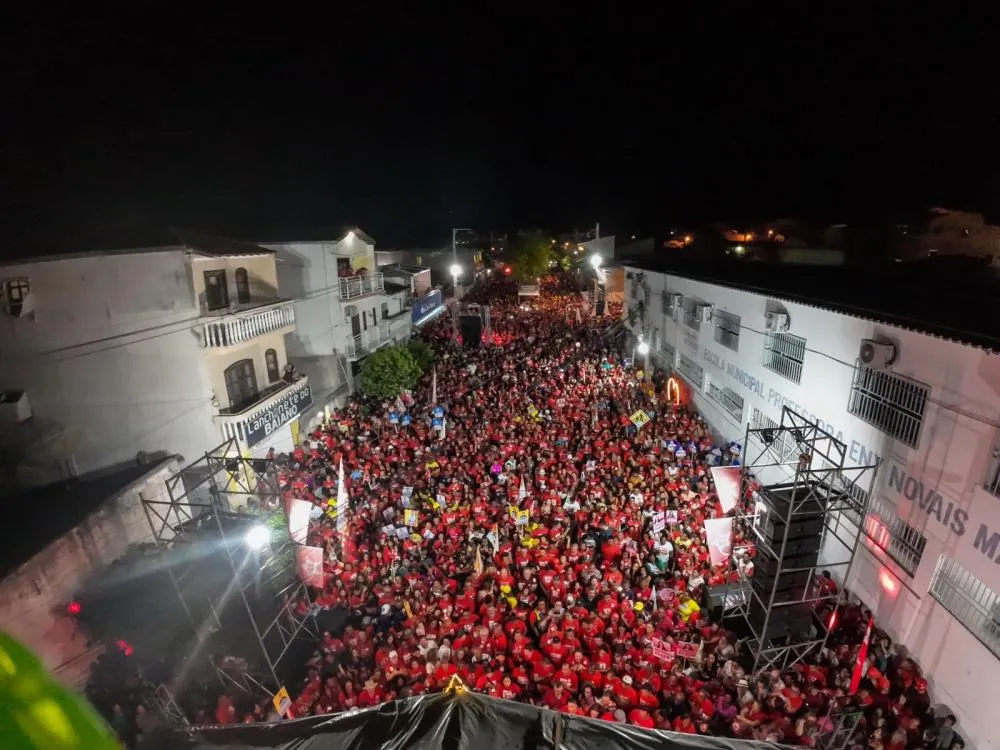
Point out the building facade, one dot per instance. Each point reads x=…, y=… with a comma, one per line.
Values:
x=345, y=308
x=165, y=350
x=926, y=409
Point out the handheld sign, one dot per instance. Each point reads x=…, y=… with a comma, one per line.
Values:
x=639, y=419
x=282, y=701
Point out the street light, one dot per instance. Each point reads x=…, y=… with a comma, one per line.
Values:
x=456, y=271
x=643, y=348
x=257, y=537
x=596, y=260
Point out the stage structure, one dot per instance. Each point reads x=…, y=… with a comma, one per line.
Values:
x=216, y=506
x=804, y=509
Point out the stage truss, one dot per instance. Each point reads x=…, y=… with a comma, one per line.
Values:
x=221, y=496
x=807, y=466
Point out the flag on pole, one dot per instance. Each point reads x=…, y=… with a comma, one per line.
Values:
x=477, y=566
x=434, y=386
x=859, y=666
x=299, y=513
x=309, y=564
x=342, y=501
x=522, y=492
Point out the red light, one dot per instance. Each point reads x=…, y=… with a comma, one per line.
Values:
x=507, y=269
x=73, y=608
x=128, y=651
x=888, y=582
x=831, y=622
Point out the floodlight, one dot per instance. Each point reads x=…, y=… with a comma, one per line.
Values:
x=643, y=348
x=257, y=537
x=456, y=270
x=595, y=261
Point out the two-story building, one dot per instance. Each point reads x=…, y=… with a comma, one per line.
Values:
x=345, y=308
x=901, y=367
x=128, y=354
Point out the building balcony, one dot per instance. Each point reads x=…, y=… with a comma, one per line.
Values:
x=368, y=341
x=274, y=407
x=360, y=286
x=233, y=328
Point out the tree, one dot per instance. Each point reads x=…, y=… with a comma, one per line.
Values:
x=423, y=354
x=388, y=372
x=531, y=255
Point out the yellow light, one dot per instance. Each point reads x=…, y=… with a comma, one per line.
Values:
x=674, y=391
x=687, y=238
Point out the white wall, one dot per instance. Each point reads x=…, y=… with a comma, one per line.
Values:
x=937, y=487
x=33, y=599
x=112, y=353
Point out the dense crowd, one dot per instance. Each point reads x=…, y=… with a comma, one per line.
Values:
x=441, y=572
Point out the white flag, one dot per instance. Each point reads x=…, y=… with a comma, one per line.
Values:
x=522, y=492
x=342, y=501
x=434, y=386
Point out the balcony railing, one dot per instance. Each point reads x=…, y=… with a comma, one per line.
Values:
x=240, y=327
x=359, y=286
x=275, y=406
x=368, y=341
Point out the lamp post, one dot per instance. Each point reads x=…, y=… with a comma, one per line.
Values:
x=456, y=271
x=595, y=262
x=643, y=349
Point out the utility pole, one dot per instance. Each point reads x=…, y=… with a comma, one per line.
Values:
x=597, y=231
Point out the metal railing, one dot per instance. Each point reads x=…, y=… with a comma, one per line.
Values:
x=240, y=327
x=784, y=354
x=368, y=341
x=358, y=286
x=969, y=600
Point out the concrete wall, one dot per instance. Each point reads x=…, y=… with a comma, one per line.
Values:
x=33, y=599
x=112, y=352
x=937, y=487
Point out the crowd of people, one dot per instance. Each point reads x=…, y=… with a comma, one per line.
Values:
x=504, y=536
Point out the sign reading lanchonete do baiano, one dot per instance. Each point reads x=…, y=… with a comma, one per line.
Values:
x=280, y=413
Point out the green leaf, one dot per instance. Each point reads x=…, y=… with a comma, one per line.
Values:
x=388, y=372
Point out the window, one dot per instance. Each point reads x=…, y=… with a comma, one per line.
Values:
x=727, y=329
x=692, y=314
x=344, y=267
x=216, y=290
x=691, y=371
x=385, y=310
x=15, y=291
x=242, y=286
x=273, y=371
x=784, y=354
x=771, y=434
x=969, y=600
x=992, y=483
x=728, y=399
x=667, y=353
x=890, y=402
x=241, y=384
x=667, y=302
x=894, y=536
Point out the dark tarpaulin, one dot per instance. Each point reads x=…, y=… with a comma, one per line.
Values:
x=443, y=721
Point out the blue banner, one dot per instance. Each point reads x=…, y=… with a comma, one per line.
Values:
x=427, y=304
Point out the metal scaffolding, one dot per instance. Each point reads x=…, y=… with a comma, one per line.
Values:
x=212, y=504
x=804, y=509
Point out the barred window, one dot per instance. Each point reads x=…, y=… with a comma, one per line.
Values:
x=890, y=402
x=727, y=329
x=667, y=353
x=728, y=399
x=667, y=303
x=894, y=536
x=770, y=435
x=969, y=600
x=784, y=354
x=692, y=314
x=992, y=482
x=691, y=371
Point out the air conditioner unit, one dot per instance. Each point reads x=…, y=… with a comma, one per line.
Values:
x=706, y=313
x=676, y=300
x=776, y=321
x=878, y=355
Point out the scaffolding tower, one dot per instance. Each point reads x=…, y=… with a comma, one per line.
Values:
x=213, y=503
x=803, y=508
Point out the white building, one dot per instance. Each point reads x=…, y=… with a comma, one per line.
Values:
x=752, y=339
x=345, y=308
x=113, y=356
x=91, y=523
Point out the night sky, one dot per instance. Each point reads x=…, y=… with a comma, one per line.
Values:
x=117, y=122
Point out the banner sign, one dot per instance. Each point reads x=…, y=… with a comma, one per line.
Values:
x=427, y=304
x=687, y=650
x=309, y=564
x=719, y=535
x=727, y=485
x=662, y=650
x=280, y=413
x=299, y=513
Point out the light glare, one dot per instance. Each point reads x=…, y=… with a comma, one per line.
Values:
x=257, y=537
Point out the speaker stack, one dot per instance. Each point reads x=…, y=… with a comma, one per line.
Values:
x=471, y=327
x=783, y=575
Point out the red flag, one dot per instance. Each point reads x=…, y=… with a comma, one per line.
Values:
x=309, y=562
x=859, y=667
x=298, y=520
